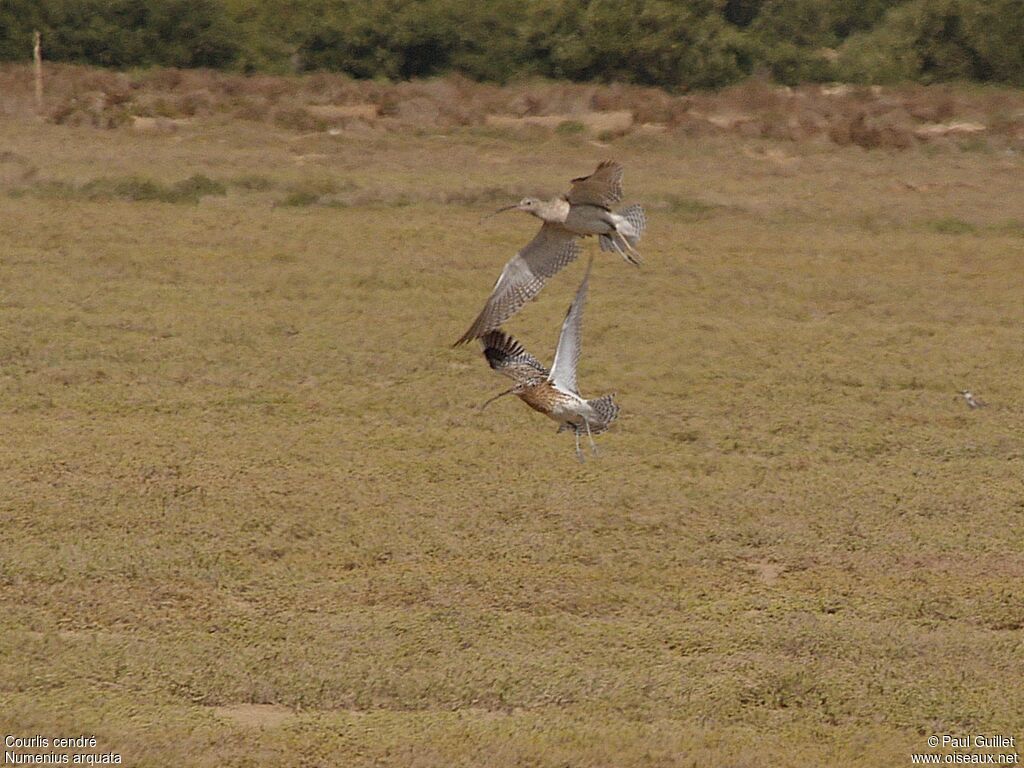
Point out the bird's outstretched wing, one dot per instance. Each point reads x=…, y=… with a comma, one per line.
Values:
x=524, y=276
x=603, y=187
x=507, y=356
x=567, y=356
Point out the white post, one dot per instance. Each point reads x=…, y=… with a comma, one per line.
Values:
x=37, y=51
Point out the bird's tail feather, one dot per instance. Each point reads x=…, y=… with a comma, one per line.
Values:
x=638, y=223
x=606, y=409
x=630, y=224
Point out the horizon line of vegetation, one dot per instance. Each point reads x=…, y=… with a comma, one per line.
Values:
x=674, y=44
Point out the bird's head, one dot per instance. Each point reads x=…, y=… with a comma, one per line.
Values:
x=527, y=205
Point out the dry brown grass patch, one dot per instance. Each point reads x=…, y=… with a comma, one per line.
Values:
x=242, y=468
x=255, y=715
x=870, y=117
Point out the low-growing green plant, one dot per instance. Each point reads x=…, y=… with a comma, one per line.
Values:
x=197, y=186
x=952, y=226
x=298, y=119
x=1011, y=227
x=570, y=127
x=300, y=198
x=253, y=183
x=59, y=190
x=689, y=208
x=131, y=188
x=128, y=188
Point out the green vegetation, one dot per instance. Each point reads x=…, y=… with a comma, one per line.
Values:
x=122, y=33
x=253, y=182
x=570, y=127
x=952, y=226
x=689, y=209
x=132, y=188
x=300, y=199
x=670, y=43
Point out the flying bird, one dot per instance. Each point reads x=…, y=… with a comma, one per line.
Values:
x=971, y=400
x=584, y=210
x=554, y=393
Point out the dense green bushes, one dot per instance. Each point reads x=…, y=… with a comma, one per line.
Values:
x=678, y=44
x=122, y=33
x=933, y=40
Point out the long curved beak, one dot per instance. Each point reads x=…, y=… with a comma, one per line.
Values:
x=500, y=394
x=500, y=210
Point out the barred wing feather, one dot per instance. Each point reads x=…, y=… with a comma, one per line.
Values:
x=524, y=276
x=508, y=357
x=603, y=187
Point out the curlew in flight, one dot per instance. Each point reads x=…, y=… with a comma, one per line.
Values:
x=972, y=401
x=554, y=393
x=584, y=210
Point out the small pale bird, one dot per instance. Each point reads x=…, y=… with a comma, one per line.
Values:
x=971, y=400
x=554, y=393
x=584, y=210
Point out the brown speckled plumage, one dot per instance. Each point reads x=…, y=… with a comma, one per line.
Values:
x=553, y=393
x=545, y=398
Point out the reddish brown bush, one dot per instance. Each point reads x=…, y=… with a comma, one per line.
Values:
x=871, y=117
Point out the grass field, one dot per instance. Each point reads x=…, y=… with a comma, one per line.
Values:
x=252, y=515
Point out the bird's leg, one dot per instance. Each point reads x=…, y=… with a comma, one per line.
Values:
x=615, y=243
x=579, y=453
x=590, y=437
x=630, y=254
x=616, y=240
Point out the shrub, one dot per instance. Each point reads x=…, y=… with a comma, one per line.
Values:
x=936, y=40
x=952, y=226
x=652, y=42
x=197, y=186
x=127, y=188
x=253, y=182
x=122, y=33
x=300, y=198
x=298, y=119
x=137, y=188
x=674, y=44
